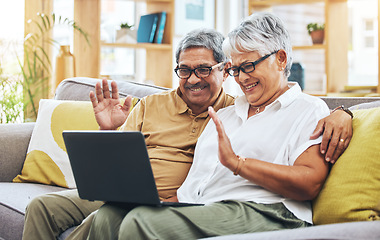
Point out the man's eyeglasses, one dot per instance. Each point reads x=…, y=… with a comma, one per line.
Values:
x=200, y=72
x=247, y=67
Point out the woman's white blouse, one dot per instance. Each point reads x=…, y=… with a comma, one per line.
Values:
x=278, y=135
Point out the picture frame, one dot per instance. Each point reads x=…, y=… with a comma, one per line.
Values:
x=192, y=14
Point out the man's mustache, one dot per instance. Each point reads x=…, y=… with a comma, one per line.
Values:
x=198, y=85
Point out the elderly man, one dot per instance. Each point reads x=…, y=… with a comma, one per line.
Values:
x=201, y=71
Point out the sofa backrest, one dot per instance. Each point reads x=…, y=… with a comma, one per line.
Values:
x=79, y=88
x=349, y=102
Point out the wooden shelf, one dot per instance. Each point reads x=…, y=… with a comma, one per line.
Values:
x=265, y=3
x=358, y=88
x=310, y=47
x=147, y=46
x=154, y=1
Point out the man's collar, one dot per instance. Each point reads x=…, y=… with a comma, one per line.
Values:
x=179, y=103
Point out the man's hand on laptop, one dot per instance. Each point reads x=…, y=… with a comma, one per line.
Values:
x=109, y=112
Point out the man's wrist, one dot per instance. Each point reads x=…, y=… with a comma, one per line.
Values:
x=348, y=111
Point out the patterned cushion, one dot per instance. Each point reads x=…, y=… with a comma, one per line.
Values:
x=47, y=161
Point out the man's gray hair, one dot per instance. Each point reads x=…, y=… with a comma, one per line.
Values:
x=206, y=38
x=263, y=33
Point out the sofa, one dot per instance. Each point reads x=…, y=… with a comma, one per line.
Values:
x=14, y=196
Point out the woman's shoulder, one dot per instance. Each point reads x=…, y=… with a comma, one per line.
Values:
x=312, y=103
x=312, y=100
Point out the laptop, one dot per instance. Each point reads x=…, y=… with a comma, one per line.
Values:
x=113, y=166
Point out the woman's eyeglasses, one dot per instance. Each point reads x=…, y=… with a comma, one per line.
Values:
x=247, y=67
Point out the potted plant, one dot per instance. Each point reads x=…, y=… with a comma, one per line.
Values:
x=11, y=108
x=36, y=65
x=316, y=32
x=126, y=33
x=125, y=26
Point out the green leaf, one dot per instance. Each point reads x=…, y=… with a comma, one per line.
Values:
x=36, y=68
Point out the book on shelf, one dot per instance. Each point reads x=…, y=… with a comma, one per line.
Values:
x=161, y=20
x=147, y=28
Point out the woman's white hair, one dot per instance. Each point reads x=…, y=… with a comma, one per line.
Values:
x=263, y=33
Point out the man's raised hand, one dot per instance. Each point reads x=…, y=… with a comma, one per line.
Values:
x=109, y=112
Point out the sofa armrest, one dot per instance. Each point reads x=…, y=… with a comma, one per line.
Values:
x=14, y=142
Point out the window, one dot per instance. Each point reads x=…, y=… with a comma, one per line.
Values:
x=369, y=42
x=369, y=32
x=11, y=35
x=363, y=49
x=369, y=24
x=116, y=62
x=11, y=47
x=62, y=33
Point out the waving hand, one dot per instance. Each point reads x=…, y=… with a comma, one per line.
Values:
x=226, y=155
x=109, y=113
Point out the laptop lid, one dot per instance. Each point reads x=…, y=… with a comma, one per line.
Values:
x=111, y=166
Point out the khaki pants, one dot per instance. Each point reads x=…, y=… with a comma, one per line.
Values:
x=193, y=222
x=49, y=215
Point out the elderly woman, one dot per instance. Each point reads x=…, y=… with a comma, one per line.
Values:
x=255, y=167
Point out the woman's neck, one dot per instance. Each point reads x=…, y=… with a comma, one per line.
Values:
x=256, y=109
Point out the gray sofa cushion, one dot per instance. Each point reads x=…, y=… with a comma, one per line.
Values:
x=14, y=139
x=354, y=231
x=14, y=198
x=12, y=223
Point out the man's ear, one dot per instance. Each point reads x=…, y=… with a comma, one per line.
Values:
x=225, y=73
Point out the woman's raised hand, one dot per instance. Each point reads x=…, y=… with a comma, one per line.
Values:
x=227, y=157
x=109, y=113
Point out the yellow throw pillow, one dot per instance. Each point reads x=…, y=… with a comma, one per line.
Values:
x=47, y=161
x=352, y=189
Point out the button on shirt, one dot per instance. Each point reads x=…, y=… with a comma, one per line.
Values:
x=279, y=134
x=171, y=131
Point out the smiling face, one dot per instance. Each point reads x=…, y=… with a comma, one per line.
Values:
x=267, y=82
x=199, y=93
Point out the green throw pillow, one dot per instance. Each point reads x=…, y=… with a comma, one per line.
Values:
x=352, y=189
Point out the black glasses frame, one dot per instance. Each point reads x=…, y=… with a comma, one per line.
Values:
x=235, y=71
x=196, y=71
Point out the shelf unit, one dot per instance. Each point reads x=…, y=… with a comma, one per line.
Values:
x=159, y=66
x=335, y=46
x=158, y=56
